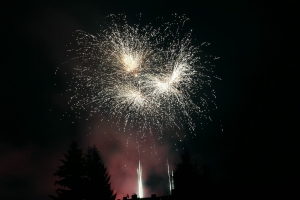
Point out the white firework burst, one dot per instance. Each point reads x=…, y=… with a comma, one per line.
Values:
x=143, y=76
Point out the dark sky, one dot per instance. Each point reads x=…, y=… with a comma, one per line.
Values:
x=258, y=48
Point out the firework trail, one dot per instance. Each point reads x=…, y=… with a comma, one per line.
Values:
x=140, y=183
x=141, y=76
x=170, y=185
x=172, y=180
x=139, y=171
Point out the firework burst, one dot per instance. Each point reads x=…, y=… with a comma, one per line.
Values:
x=147, y=77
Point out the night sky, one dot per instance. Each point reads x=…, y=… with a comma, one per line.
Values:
x=257, y=97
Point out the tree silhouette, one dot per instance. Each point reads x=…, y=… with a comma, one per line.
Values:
x=97, y=184
x=83, y=178
x=186, y=177
x=71, y=174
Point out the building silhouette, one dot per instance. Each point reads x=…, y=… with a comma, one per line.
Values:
x=153, y=196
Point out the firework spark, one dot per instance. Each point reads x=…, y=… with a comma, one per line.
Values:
x=144, y=76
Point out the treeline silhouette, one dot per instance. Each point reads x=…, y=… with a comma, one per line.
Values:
x=83, y=176
x=190, y=180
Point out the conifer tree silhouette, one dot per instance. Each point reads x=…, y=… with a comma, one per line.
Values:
x=98, y=181
x=71, y=175
x=186, y=177
x=83, y=177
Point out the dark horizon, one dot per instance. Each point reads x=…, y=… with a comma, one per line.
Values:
x=257, y=43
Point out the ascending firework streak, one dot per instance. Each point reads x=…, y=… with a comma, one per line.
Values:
x=140, y=184
x=172, y=180
x=139, y=173
x=143, y=76
x=170, y=184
